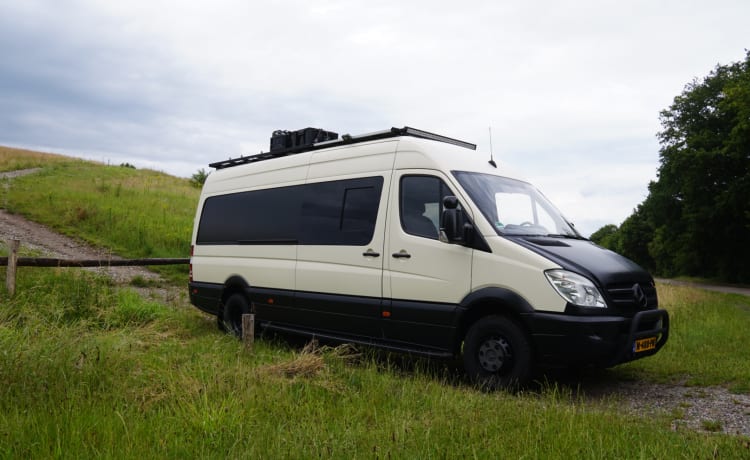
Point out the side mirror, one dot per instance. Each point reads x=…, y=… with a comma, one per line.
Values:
x=450, y=202
x=451, y=230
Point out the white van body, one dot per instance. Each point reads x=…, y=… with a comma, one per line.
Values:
x=393, y=239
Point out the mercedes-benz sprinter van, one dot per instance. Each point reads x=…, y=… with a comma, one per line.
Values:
x=411, y=241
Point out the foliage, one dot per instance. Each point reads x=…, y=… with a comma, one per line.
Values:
x=199, y=178
x=634, y=236
x=696, y=218
x=87, y=371
x=606, y=237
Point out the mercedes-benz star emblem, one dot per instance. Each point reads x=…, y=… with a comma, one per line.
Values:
x=639, y=296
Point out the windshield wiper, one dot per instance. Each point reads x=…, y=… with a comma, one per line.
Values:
x=565, y=235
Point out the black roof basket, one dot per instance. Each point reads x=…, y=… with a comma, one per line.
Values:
x=285, y=143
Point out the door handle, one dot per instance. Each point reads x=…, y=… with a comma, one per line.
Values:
x=371, y=253
x=402, y=254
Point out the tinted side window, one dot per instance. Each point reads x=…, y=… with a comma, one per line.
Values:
x=337, y=213
x=262, y=216
x=341, y=212
x=360, y=209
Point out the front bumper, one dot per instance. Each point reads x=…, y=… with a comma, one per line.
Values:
x=603, y=341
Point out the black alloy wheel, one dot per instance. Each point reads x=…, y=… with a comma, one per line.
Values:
x=497, y=354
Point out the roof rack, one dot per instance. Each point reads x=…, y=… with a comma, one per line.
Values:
x=284, y=143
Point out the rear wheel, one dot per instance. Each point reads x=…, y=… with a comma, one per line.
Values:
x=231, y=318
x=497, y=354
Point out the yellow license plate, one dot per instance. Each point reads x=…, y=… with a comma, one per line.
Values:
x=649, y=343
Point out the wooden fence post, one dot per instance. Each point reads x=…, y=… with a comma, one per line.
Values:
x=248, y=330
x=10, y=275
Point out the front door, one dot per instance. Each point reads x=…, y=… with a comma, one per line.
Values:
x=424, y=278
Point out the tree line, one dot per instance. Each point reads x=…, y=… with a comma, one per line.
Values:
x=695, y=220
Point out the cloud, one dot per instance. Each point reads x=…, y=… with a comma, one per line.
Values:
x=572, y=91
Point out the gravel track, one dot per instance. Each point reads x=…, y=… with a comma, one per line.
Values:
x=37, y=237
x=712, y=409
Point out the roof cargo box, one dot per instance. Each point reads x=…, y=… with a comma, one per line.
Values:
x=282, y=140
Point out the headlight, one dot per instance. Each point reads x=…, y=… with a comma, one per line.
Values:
x=575, y=288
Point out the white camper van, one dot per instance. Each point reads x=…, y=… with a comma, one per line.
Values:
x=413, y=242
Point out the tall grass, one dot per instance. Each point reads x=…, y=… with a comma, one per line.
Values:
x=137, y=213
x=88, y=370
x=12, y=159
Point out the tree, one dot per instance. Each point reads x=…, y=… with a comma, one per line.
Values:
x=699, y=207
x=634, y=237
x=696, y=218
x=607, y=237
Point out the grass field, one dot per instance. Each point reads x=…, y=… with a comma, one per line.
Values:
x=89, y=369
x=707, y=345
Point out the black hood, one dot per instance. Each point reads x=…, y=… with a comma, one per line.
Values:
x=615, y=275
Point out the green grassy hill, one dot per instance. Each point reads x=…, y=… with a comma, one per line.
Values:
x=12, y=159
x=136, y=213
x=133, y=212
x=90, y=369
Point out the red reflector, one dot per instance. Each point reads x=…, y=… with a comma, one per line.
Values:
x=270, y=301
x=386, y=314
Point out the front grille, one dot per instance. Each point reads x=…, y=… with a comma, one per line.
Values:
x=627, y=296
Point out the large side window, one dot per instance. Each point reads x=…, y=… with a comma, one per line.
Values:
x=258, y=217
x=336, y=213
x=341, y=212
x=421, y=205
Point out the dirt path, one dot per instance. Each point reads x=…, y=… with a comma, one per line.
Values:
x=48, y=243
x=37, y=237
x=697, y=408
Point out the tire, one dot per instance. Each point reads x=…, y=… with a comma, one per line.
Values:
x=231, y=315
x=220, y=322
x=497, y=354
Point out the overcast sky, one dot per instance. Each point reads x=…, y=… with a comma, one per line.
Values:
x=572, y=90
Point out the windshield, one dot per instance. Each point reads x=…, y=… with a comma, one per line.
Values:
x=514, y=207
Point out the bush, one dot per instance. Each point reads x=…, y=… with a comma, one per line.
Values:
x=199, y=178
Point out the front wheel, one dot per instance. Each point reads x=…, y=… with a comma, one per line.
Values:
x=497, y=354
x=231, y=317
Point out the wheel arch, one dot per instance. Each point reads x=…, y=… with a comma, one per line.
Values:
x=490, y=301
x=235, y=284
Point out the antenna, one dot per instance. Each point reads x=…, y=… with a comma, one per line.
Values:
x=492, y=160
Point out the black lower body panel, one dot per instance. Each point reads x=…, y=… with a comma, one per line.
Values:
x=206, y=296
x=376, y=342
